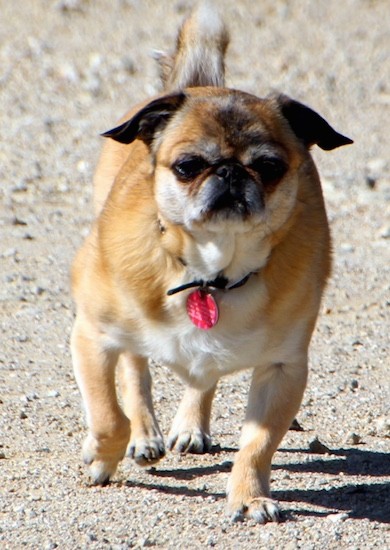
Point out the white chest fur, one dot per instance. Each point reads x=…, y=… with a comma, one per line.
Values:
x=201, y=357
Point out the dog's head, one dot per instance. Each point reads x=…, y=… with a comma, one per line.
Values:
x=225, y=158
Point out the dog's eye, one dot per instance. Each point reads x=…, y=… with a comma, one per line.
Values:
x=190, y=167
x=270, y=169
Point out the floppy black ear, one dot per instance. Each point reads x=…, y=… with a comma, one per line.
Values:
x=309, y=126
x=148, y=120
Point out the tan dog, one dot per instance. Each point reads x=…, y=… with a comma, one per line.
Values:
x=209, y=255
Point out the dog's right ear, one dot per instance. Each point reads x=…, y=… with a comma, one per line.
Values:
x=309, y=126
x=148, y=120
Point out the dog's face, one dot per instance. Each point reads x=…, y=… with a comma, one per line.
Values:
x=219, y=166
x=227, y=159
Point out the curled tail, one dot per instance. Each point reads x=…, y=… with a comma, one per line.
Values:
x=199, y=59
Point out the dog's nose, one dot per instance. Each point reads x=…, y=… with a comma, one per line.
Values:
x=231, y=173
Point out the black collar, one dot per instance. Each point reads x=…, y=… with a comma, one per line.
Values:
x=219, y=282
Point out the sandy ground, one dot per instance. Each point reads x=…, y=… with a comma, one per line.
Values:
x=68, y=70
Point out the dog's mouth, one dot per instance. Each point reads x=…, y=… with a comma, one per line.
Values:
x=231, y=193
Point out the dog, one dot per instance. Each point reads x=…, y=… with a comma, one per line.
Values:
x=209, y=254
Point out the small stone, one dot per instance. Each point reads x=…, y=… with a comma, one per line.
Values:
x=30, y=397
x=341, y=516
x=69, y=73
x=27, y=278
x=23, y=415
x=382, y=426
x=317, y=447
x=129, y=65
x=346, y=247
x=353, y=439
x=145, y=542
x=384, y=232
x=295, y=426
x=18, y=221
x=70, y=6
x=53, y=393
x=39, y=290
x=2, y=455
x=370, y=181
x=354, y=384
x=95, y=62
x=9, y=253
x=20, y=187
x=83, y=166
x=375, y=168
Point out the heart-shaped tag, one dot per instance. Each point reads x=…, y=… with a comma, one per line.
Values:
x=202, y=309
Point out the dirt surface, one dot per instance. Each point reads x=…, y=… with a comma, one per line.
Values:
x=69, y=69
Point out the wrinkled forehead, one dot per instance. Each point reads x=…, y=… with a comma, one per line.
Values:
x=223, y=126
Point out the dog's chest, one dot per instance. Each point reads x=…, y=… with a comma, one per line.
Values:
x=202, y=356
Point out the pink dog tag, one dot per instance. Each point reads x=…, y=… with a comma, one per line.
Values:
x=202, y=309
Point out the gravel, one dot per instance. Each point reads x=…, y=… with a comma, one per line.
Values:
x=69, y=69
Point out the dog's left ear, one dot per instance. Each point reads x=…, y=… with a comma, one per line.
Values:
x=309, y=126
x=148, y=120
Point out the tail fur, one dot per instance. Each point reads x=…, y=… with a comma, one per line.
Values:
x=199, y=59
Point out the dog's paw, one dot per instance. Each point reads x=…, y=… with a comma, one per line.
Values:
x=194, y=441
x=102, y=457
x=146, y=451
x=260, y=509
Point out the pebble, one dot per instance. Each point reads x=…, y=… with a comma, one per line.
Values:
x=384, y=232
x=354, y=384
x=145, y=542
x=71, y=5
x=20, y=187
x=317, y=447
x=30, y=397
x=375, y=167
x=353, y=439
x=69, y=73
x=295, y=426
x=83, y=166
x=341, y=516
x=346, y=247
x=9, y=253
x=382, y=426
x=38, y=290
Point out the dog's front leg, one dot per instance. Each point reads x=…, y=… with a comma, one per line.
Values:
x=274, y=399
x=190, y=431
x=146, y=443
x=109, y=428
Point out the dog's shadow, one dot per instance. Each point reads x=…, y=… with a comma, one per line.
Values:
x=368, y=500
